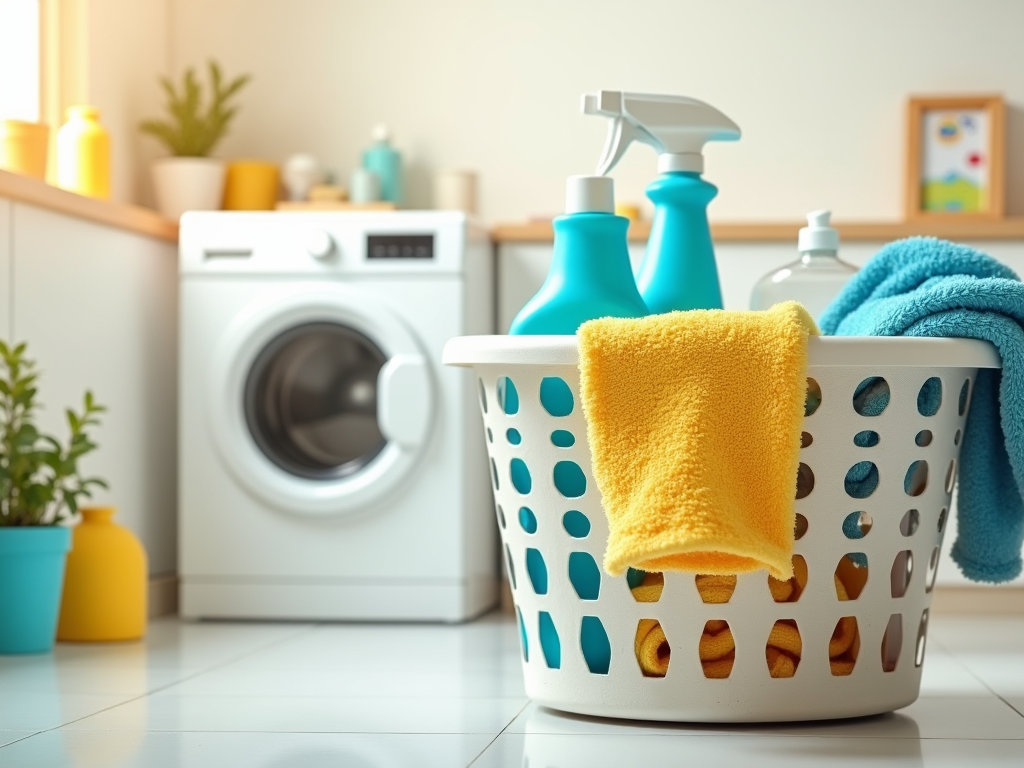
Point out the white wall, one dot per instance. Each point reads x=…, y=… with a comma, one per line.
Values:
x=818, y=88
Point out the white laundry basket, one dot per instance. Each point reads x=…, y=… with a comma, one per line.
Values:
x=578, y=625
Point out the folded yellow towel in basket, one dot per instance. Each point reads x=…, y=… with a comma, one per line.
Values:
x=693, y=420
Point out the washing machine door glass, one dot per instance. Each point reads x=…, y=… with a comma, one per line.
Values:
x=311, y=400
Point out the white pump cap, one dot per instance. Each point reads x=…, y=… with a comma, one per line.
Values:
x=676, y=126
x=589, y=194
x=381, y=133
x=818, y=235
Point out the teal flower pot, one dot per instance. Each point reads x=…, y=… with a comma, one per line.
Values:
x=31, y=580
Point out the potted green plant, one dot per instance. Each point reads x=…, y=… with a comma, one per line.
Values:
x=190, y=179
x=40, y=486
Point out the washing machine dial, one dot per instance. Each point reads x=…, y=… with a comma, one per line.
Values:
x=319, y=244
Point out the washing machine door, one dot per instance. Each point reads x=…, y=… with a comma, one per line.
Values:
x=321, y=400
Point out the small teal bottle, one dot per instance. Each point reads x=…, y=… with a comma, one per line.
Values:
x=678, y=271
x=385, y=161
x=590, y=274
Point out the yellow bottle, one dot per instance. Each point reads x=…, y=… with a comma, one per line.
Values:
x=105, y=581
x=83, y=153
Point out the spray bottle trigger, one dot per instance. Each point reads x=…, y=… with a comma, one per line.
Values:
x=621, y=133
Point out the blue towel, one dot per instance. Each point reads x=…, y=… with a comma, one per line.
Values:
x=929, y=287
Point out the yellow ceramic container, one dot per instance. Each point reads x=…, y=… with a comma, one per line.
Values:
x=23, y=147
x=83, y=153
x=105, y=582
x=251, y=185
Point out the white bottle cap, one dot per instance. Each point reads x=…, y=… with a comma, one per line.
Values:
x=818, y=235
x=589, y=194
x=381, y=133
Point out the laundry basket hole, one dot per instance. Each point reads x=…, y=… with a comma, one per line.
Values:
x=929, y=397
x=861, y=480
x=800, y=528
x=911, y=520
x=922, y=635
x=513, y=436
x=851, y=575
x=804, y=481
x=717, y=649
x=789, y=591
x=537, y=571
x=871, y=396
x=597, y=650
x=715, y=589
x=511, y=567
x=856, y=525
x=508, y=396
x=562, y=438
x=483, y=395
x=813, y=398
x=652, y=649
x=494, y=474
x=549, y=642
x=965, y=391
x=576, y=524
x=901, y=573
x=556, y=396
x=521, y=479
x=527, y=520
x=933, y=569
x=867, y=438
x=490, y=435
x=956, y=438
x=923, y=438
x=951, y=476
x=524, y=644
x=892, y=642
x=916, y=479
x=942, y=520
x=501, y=515
x=784, y=648
x=646, y=587
x=584, y=575
x=805, y=439
x=569, y=479
x=844, y=646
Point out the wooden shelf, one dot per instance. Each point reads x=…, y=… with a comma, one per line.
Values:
x=132, y=218
x=767, y=232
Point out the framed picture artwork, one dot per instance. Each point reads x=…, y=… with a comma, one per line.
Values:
x=955, y=162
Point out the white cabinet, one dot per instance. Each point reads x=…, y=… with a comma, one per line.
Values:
x=98, y=308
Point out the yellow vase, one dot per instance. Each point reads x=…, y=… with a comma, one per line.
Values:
x=251, y=185
x=83, y=153
x=23, y=147
x=105, y=582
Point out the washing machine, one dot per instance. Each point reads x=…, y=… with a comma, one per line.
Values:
x=329, y=466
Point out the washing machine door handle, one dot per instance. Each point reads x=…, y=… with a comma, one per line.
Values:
x=404, y=395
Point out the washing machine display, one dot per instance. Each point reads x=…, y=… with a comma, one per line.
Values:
x=311, y=401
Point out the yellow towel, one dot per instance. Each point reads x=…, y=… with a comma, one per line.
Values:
x=693, y=420
x=717, y=648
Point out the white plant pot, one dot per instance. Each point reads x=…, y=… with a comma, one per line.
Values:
x=188, y=184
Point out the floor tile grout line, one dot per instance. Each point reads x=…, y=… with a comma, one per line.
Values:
x=498, y=734
x=973, y=674
x=160, y=688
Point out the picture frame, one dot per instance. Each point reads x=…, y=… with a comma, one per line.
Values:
x=955, y=157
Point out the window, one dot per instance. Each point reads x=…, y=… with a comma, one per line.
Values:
x=19, y=60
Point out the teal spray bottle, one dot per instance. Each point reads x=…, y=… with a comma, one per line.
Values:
x=678, y=270
x=590, y=274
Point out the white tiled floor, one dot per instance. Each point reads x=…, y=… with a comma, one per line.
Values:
x=385, y=696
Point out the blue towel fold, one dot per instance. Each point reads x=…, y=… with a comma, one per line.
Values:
x=929, y=287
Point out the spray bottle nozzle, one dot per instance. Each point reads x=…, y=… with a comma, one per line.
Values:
x=676, y=126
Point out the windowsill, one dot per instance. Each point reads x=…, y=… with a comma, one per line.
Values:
x=130, y=218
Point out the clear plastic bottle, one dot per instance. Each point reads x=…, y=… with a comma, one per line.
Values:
x=816, y=278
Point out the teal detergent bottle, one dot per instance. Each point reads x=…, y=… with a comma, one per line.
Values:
x=385, y=161
x=678, y=271
x=590, y=274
